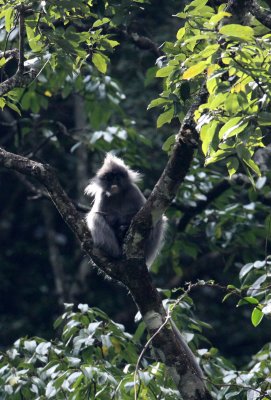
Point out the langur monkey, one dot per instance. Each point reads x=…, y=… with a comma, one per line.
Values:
x=117, y=199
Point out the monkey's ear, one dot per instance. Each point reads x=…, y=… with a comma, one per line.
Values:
x=92, y=188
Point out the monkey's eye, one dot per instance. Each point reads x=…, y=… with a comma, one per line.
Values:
x=107, y=177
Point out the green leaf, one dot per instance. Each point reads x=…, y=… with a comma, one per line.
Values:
x=9, y=19
x=158, y=102
x=169, y=143
x=180, y=33
x=2, y=103
x=165, y=117
x=13, y=107
x=245, y=270
x=207, y=134
x=264, y=118
x=33, y=40
x=100, y=62
x=251, y=164
x=237, y=31
x=100, y=22
x=165, y=71
x=251, y=300
x=217, y=156
x=243, y=152
x=194, y=70
x=256, y=316
x=232, y=127
x=182, y=15
x=196, y=3
x=231, y=104
x=209, y=50
x=2, y=61
x=232, y=165
x=218, y=17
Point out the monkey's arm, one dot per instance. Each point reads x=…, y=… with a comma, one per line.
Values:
x=102, y=234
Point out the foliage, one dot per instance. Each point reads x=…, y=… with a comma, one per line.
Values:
x=93, y=357
x=234, y=59
x=88, y=50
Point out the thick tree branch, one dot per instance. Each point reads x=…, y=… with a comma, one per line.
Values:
x=260, y=13
x=20, y=78
x=132, y=273
x=17, y=80
x=166, y=188
x=14, y=53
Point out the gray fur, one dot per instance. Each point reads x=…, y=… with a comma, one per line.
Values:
x=117, y=199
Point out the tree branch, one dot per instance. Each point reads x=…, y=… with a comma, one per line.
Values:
x=39, y=193
x=21, y=39
x=166, y=188
x=260, y=13
x=14, y=53
x=132, y=273
x=17, y=80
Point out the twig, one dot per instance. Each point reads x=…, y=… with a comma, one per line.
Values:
x=43, y=194
x=21, y=39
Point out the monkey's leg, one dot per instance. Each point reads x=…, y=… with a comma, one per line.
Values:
x=102, y=234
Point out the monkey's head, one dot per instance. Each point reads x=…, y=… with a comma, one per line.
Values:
x=114, y=177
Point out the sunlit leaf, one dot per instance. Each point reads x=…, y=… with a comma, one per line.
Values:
x=165, y=117
x=232, y=127
x=237, y=31
x=100, y=62
x=194, y=70
x=165, y=71
x=180, y=33
x=256, y=316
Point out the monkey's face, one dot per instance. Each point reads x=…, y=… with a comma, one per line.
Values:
x=114, y=182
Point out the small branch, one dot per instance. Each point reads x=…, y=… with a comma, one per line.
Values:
x=21, y=40
x=14, y=53
x=39, y=193
x=144, y=43
x=40, y=146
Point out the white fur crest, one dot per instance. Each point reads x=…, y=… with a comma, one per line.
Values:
x=110, y=159
x=109, y=162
